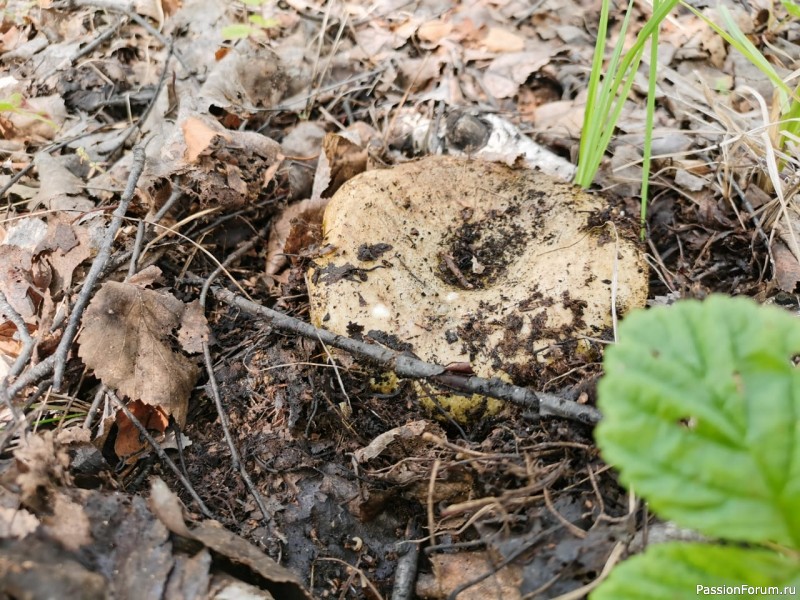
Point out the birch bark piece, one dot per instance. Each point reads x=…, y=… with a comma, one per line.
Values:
x=467, y=261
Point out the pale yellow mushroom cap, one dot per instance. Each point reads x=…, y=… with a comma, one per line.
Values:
x=467, y=261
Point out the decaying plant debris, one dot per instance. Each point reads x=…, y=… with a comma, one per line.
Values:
x=163, y=227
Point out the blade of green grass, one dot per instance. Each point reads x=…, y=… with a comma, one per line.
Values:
x=736, y=38
x=733, y=34
x=605, y=104
x=589, y=133
x=604, y=97
x=648, y=127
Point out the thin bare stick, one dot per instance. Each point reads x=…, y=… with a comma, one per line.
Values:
x=22, y=330
x=508, y=560
x=143, y=117
x=405, y=573
x=97, y=268
x=583, y=592
x=106, y=34
x=19, y=364
x=574, y=529
x=32, y=375
x=161, y=454
x=22, y=424
x=409, y=366
x=137, y=248
x=98, y=397
x=223, y=416
x=126, y=9
x=358, y=571
x=431, y=489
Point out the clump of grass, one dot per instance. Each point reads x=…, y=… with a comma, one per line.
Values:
x=608, y=90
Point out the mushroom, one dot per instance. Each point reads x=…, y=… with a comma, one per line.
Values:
x=464, y=261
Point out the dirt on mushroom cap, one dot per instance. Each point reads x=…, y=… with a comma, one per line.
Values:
x=469, y=261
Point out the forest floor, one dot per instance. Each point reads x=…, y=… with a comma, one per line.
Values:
x=165, y=170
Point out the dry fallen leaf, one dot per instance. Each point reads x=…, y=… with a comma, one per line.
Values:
x=69, y=523
x=346, y=152
x=129, y=442
x=409, y=434
x=68, y=245
x=198, y=136
x=225, y=168
x=787, y=269
x=250, y=78
x=194, y=328
x=42, y=465
x=501, y=40
x=275, y=578
x=59, y=187
x=434, y=31
x=16, y=280
x=127, y=340
x=10, y=343
x=296, y=229
x=16, y=522
x=451, y=571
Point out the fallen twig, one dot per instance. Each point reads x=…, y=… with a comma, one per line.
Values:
x=405, y=574
x=101, y=38
x=27, y=349
x=161, y=454
x=409, y=366
x=97, y=268
x=125, y=8
x=223, y=416
x=22, y=331
x=143, y=117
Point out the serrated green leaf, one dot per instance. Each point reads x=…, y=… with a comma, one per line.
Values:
x=679, y=570
x=701, y=405
x=237, y=31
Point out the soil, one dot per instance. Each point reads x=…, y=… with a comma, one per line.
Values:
x=325, y=463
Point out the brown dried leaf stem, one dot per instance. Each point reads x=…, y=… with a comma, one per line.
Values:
x=411, y=367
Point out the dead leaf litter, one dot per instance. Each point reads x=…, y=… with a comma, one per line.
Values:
x=397, y=176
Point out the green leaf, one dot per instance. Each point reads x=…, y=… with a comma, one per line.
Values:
x=262, y=22
x=792, y=8
x=678, y=570
x=238, y=31
x=11, y=103
x=701, y=405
